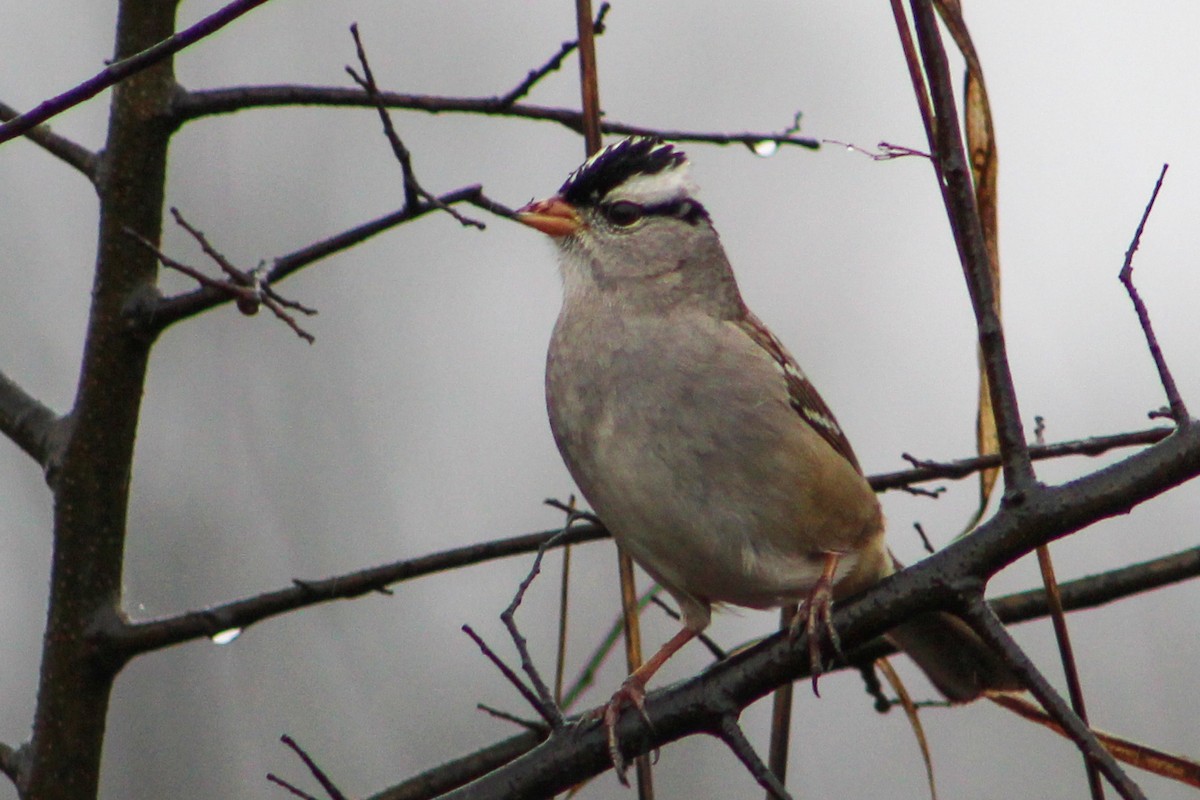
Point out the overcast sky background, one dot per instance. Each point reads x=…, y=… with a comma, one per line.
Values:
x=416, y=422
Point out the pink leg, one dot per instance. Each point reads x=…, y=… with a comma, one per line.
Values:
x=633, y=692
x=814, y=615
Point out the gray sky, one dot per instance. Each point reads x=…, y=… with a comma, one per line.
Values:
x=416, y=421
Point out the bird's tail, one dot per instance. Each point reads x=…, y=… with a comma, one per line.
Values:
x=960, y=664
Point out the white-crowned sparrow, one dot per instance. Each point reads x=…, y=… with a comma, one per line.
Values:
x=693, y=433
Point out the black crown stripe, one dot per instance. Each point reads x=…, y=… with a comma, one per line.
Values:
x=617, y=163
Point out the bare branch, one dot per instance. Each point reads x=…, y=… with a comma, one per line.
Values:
x=152, y=315
x=962, y=468
x=1103, y=588
x=535, y=75
x=511, y=676
x=958, y=194
x=326, y=783
x=1179, y=410
x=1088, y=592
x=27, y=422
x=249, y=289
x=413, y=192
x=207, y=102
x=544, y=701
x=946, y=580
x=992, y=630
x=120, y=70
x=1171, y=766
x=61, y=147
x=10, y=763
x=132, y=639
x=135, y=638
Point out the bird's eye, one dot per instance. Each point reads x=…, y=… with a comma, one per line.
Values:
x=623, y=213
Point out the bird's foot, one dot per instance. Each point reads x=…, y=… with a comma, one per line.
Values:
x=815, y=618
x=631, y=693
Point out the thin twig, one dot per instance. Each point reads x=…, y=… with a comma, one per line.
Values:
x=328, y=785
x=154, y=317
x=927, y=470
x=905, y=701
x=511, y=675
x=1179, y=410
x=295, y=790
x=248, y=289
x=1067, y=655
x=120, y=70
x=992, y=630
x=1167, y=765
x=884, y=151
x=781, y=715
x=527, y=724
x=655, y=597
x=413, y=191
x=546, y=705
x=555, y=62
x=131, y=639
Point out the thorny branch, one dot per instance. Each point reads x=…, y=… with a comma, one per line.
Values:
x=1083, y=593
x=992, y=630
x=132, y=639
x=733, y=737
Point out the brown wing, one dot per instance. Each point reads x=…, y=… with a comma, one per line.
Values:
x=801, y=393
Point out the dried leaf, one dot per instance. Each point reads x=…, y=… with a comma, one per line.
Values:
x=1144, y=757
x=981, y=150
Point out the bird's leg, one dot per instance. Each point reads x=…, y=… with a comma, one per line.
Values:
x=633, y=692
x=815, y=617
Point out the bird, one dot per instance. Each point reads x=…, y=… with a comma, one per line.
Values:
x=695, y=436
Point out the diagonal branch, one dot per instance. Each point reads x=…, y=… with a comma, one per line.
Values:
x=27, y=422
x=152, y=315
x=248, y=289
x=131, y=639
x=733, y=737
x=555, y=62
x=958, y=194
x=61, y=147
x=945, y=580
x=992, y=630
x=10, y=763
x=118, y=71
x=1083, y=593
x=413, y=191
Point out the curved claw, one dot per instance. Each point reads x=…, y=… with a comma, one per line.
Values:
x=632, y=692
x=816, y=617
